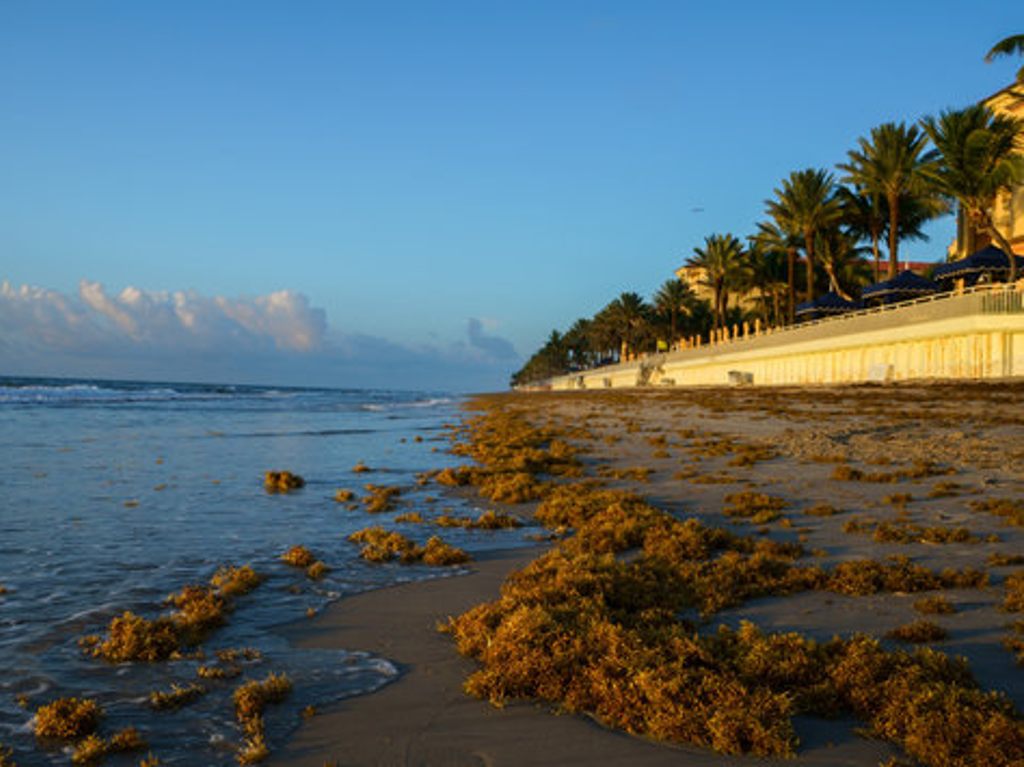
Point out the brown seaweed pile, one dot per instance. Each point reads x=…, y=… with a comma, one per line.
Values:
x=380, y=545
x=594, y=626
x=282, y=481
x=199, y=609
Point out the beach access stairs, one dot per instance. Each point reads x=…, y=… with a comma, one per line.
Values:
x=972, y=334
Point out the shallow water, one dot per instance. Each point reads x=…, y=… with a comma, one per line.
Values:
x=116, y=494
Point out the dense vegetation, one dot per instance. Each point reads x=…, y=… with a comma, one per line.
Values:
x=821, y=232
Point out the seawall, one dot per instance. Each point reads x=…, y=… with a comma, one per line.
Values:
x=974, y=334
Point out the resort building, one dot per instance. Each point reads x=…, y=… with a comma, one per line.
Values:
x=694, y=276
x=1008, y=214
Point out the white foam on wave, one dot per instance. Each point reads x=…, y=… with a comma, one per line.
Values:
x=379, y=407
x=81, y=393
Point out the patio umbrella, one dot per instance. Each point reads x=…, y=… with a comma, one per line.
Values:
x=988, y=260
x=903, y=287
x=825, y=305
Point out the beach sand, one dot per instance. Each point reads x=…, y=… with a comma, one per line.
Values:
x=977, y=431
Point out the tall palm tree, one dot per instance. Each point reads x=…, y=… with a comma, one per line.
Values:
x=805, y=203
x=628, y=320
x=721, y=259
x=1014, y=44
x=977, y=160
x=841, y=258
x=771, y=238
x=673, y=299
x=864, y=215
x=891, y=165
x=765, y=270
x=577, y=342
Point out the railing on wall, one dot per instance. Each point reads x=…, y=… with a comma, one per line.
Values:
x=980, y=299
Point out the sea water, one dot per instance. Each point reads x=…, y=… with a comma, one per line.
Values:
x=115, y=494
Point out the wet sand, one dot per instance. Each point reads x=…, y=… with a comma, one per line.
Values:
x=424, y=718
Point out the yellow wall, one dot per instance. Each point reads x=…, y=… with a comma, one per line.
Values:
x=977, y=335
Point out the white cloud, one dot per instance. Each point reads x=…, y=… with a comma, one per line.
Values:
x=157, y=320
x=184, y=335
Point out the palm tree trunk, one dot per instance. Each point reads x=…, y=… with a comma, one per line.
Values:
x=1003, y=243
x=791, y=276
x=833, y=280
x=809, y=247
x=875, y=234
x=894, y=238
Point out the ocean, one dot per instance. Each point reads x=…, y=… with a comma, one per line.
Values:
x=117, y=493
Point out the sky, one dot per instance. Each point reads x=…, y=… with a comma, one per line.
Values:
x=414, y=194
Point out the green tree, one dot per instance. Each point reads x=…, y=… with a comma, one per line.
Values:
x=891, y=165
x=977, y=160
x=766, y=272
x=864, y=215
x=842, y=259
x=671, y=301
x=805, y=203
x=721, y=258
x=625, y=322
x=1014, y=44
x=577, y=343
x=550, y=360
x=772, y=238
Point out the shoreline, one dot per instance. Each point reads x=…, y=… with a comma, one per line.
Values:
x=424, y=717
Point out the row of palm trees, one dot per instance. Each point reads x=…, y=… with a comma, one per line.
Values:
x=626, y=326
x=819, y=228
x=894, y=181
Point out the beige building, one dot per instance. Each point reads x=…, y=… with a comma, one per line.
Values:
x=1008, y=214
x=693, y=276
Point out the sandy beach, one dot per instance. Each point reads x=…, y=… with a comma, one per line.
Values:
x=862, y=473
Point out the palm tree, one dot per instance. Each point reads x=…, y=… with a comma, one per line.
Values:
x=721, y=259
x=841, y=258
x=977, y=161
x=771, y=238
x=672, y=299
x=805, y=203
x=765, y=271
x=627, y=321
x=1014, y=44
x=865, y=216
x=890, y=165
x=577, y=343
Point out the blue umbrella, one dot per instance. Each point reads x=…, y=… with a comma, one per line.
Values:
x=990, y=259
x=829, y=303
x=902, y=287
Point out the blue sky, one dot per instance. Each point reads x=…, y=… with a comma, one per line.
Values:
x=434, y=185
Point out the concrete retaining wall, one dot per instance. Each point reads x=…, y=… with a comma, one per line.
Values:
x=973, y=335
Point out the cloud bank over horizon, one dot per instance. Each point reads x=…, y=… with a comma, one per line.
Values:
x=184, y=335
